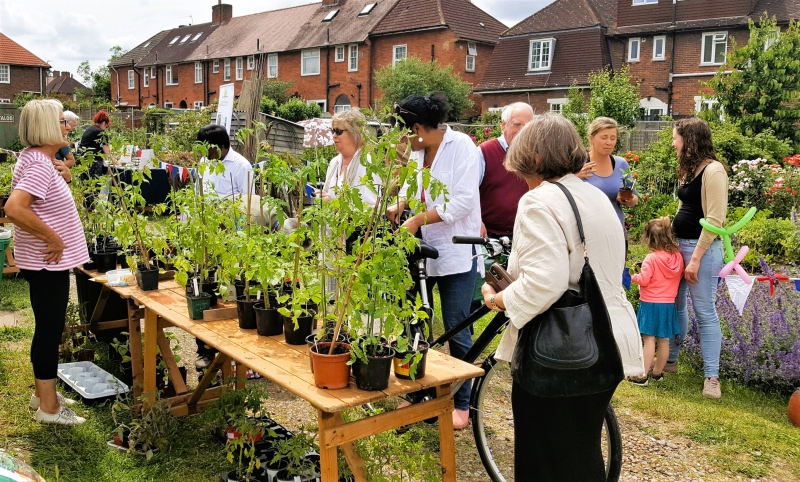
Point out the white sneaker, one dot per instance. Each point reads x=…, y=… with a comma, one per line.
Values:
x=65, y=416
x=62, y=400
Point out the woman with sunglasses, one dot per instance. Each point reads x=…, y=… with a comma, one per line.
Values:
x=452, y=158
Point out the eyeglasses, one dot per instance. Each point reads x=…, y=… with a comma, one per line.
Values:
x=338, y=132
x=63, y=121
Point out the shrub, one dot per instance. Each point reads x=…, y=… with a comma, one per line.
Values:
x=268, y=106
x=758, y=183
x=276, y=90
x=731, y=145
x=615, y=95
x=649, y=207
x=775, y=240
x=296, y=109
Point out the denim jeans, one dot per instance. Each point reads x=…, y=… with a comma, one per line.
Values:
x=455, y=293
x=704, y=297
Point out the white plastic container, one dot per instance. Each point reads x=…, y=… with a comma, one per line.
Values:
x=90, y=381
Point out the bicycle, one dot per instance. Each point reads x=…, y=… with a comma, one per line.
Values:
x=490, y=398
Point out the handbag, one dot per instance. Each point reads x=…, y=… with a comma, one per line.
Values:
x=569, y=350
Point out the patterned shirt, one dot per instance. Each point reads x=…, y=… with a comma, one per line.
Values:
x=34, y=173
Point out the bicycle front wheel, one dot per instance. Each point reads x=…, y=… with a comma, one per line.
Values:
x=493, y=425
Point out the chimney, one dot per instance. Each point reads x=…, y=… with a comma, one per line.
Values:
x=221, y=12
x=56, y=74
x=330, y=2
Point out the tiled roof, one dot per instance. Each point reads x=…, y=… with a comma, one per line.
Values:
x=178, y=44
x=466, y=20
x=15, y=54
x=346, y=27
x=703, y=24
x=64, y=85
x=784, y=10
x=568, y=15
x=140, y=51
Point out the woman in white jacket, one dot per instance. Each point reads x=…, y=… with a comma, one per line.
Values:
x=558, y=439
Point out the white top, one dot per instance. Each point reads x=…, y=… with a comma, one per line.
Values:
x=234, y=179
x=455, y=165
x=353, y=177
x=547, y=259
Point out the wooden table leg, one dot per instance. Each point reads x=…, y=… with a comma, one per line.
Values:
x=329, y=464
x=241, y=376
x=354, y=460
x=150, y=350
x=105, y=291
x=135, y=347
x=211, y=372
x=447, y=441
x=169, y=360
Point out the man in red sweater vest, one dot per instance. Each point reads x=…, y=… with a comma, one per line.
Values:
x=499, y=189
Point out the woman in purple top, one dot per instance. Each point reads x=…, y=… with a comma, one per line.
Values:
x=604, y=170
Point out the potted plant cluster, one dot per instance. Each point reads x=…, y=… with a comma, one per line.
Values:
x=145, y=432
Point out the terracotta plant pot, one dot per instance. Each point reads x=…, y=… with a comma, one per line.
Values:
x=331, y=371
x=794, y=408
x=625, y=194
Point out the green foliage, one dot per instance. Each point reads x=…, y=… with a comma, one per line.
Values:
x=184, y=135
x=762, y=90
x=99, y=79
x=276, y=90
x=575, y=110
x=268, y=106
x=294, y=450
x=15, y=145
x=155, y=119
x=146, y=431
x=24, y=97
x=774, y=239
x=296, y=109
x=732, y=145
x=649, y=207
x=5, y=178
x=614, y=95
x=416, y=76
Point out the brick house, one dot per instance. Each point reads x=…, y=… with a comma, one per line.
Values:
x=63, y=86
x=671, y=47
x=20, y=70
x=329, y=50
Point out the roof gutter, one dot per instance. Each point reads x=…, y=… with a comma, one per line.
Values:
x=533, y=89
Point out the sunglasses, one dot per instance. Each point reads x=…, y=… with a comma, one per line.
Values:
x=338, y=132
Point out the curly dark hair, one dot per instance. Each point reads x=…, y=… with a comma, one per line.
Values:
x=697, y=146
x=427, y=111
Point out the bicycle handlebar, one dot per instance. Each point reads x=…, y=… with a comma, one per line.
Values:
x=471, y=240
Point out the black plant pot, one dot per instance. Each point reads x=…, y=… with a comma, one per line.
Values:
x=247, y=315
x=305, y=325
x=238, y=285
x=374, y=375
x=105, y=261
x=402, y=370
x=87, y=354
x=147, y=279
x=268, y=320
x=232, y=477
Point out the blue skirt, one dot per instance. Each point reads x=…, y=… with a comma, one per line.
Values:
x=658, y=319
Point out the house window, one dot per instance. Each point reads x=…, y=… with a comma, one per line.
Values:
x=368, y=8
x=702, y=104
x=5, y=74
x=330, y=15
x=168, y=105
x=342, y=103
x=310, y=62
x=556, y=105
x=198, y=73
x=272, y=66
x=323, y=104
x=634, y=45
x=226, y=70
x=151, y=105
x=186, y=38
x=659, y=47
x=644, y=2
x=197, y=36
x=198, y=104
x=131, y=80
x=353, y=65
x=339, y=54
x=152, y=72
x=172, y=75
x=715, y=45
x=175, y=40
x=541, y=54
x=5, y=101
x=772, y=37
x=239, y=68
x=251, y=62
x=215, y=66
x=472, y=52
x=400, y=53
x=146, y=78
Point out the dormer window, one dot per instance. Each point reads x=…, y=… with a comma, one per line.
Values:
x=541, y=54
x=368, y=8
x=330, y=15
x=175, y=40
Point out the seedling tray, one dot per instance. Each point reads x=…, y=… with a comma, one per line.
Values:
x=90, y=381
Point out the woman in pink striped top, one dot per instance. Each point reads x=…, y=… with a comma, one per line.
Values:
x=48, y=241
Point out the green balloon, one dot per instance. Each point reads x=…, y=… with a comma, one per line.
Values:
x=725, y=233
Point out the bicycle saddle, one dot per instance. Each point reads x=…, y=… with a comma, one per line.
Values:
x=424, y=250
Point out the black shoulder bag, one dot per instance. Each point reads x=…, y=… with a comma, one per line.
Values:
x=569, y=350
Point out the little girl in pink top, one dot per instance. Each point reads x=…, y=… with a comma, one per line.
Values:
x=662, y=271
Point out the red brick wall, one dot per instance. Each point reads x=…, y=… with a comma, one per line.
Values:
x=28, y=79
x=536, y=99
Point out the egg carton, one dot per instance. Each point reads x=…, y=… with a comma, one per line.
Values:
x=90, y=381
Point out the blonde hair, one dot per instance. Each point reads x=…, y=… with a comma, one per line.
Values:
x=353, y=120
x=602, y=123
x=557, y=143
x=657, y=235
x=39, y=123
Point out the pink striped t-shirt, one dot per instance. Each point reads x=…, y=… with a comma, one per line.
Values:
x=36, y=175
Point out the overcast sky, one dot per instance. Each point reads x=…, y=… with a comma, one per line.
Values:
x=64, y=33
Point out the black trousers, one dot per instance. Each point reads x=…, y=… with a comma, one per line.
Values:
x=558, y=439
x=49, y=292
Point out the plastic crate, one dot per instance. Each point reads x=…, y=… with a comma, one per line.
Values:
x=3, y=245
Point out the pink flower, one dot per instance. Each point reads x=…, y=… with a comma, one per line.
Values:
x=487, y=131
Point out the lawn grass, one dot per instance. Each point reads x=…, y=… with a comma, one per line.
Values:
x=14, y=293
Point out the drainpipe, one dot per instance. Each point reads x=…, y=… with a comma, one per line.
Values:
x=138, y=84
x=327, y=69
x=41, y=86
x=370, y=73
x=358, y=86
x=672, y=57
x=118, y=92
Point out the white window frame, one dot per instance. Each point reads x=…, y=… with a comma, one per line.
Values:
x=226, y=70
x=309, y=54
x=352, y=58
x=663, y=40
x=198, y=73
x=168, y=105
x=270, y=65
x=198, y=104
x=152, y=72
x=239, y=68
x=395, y=50
x=131, y=80
x=251, y=62
x=169, y=75
x=339, y=57
x=146, y=77
x=714, y=44
x=5, y=74
x=472, y=53
x=470, y=64
x=323, y=104
x=551, y=45
x=558, y=101
x=644, y=2
x=215, y=66
x=773, y=37
x=631, y=42
x=151, y=105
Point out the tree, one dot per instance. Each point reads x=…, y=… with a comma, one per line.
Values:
x=276, y=90
x=415, y=76
x=614, y=95
x=99, y=80
x=763, y=89
x=575, y=109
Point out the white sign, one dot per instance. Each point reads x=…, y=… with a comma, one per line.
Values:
x=225, y=108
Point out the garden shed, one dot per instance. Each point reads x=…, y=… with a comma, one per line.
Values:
x=282, y=135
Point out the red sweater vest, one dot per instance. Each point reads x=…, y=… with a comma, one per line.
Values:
x=500, y=191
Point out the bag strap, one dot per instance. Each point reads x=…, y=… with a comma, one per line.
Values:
x=577, y=216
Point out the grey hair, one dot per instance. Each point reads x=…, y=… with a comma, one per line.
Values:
x=71, y=117
x=552, y=138
x=353, y=120
x=509, y=109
